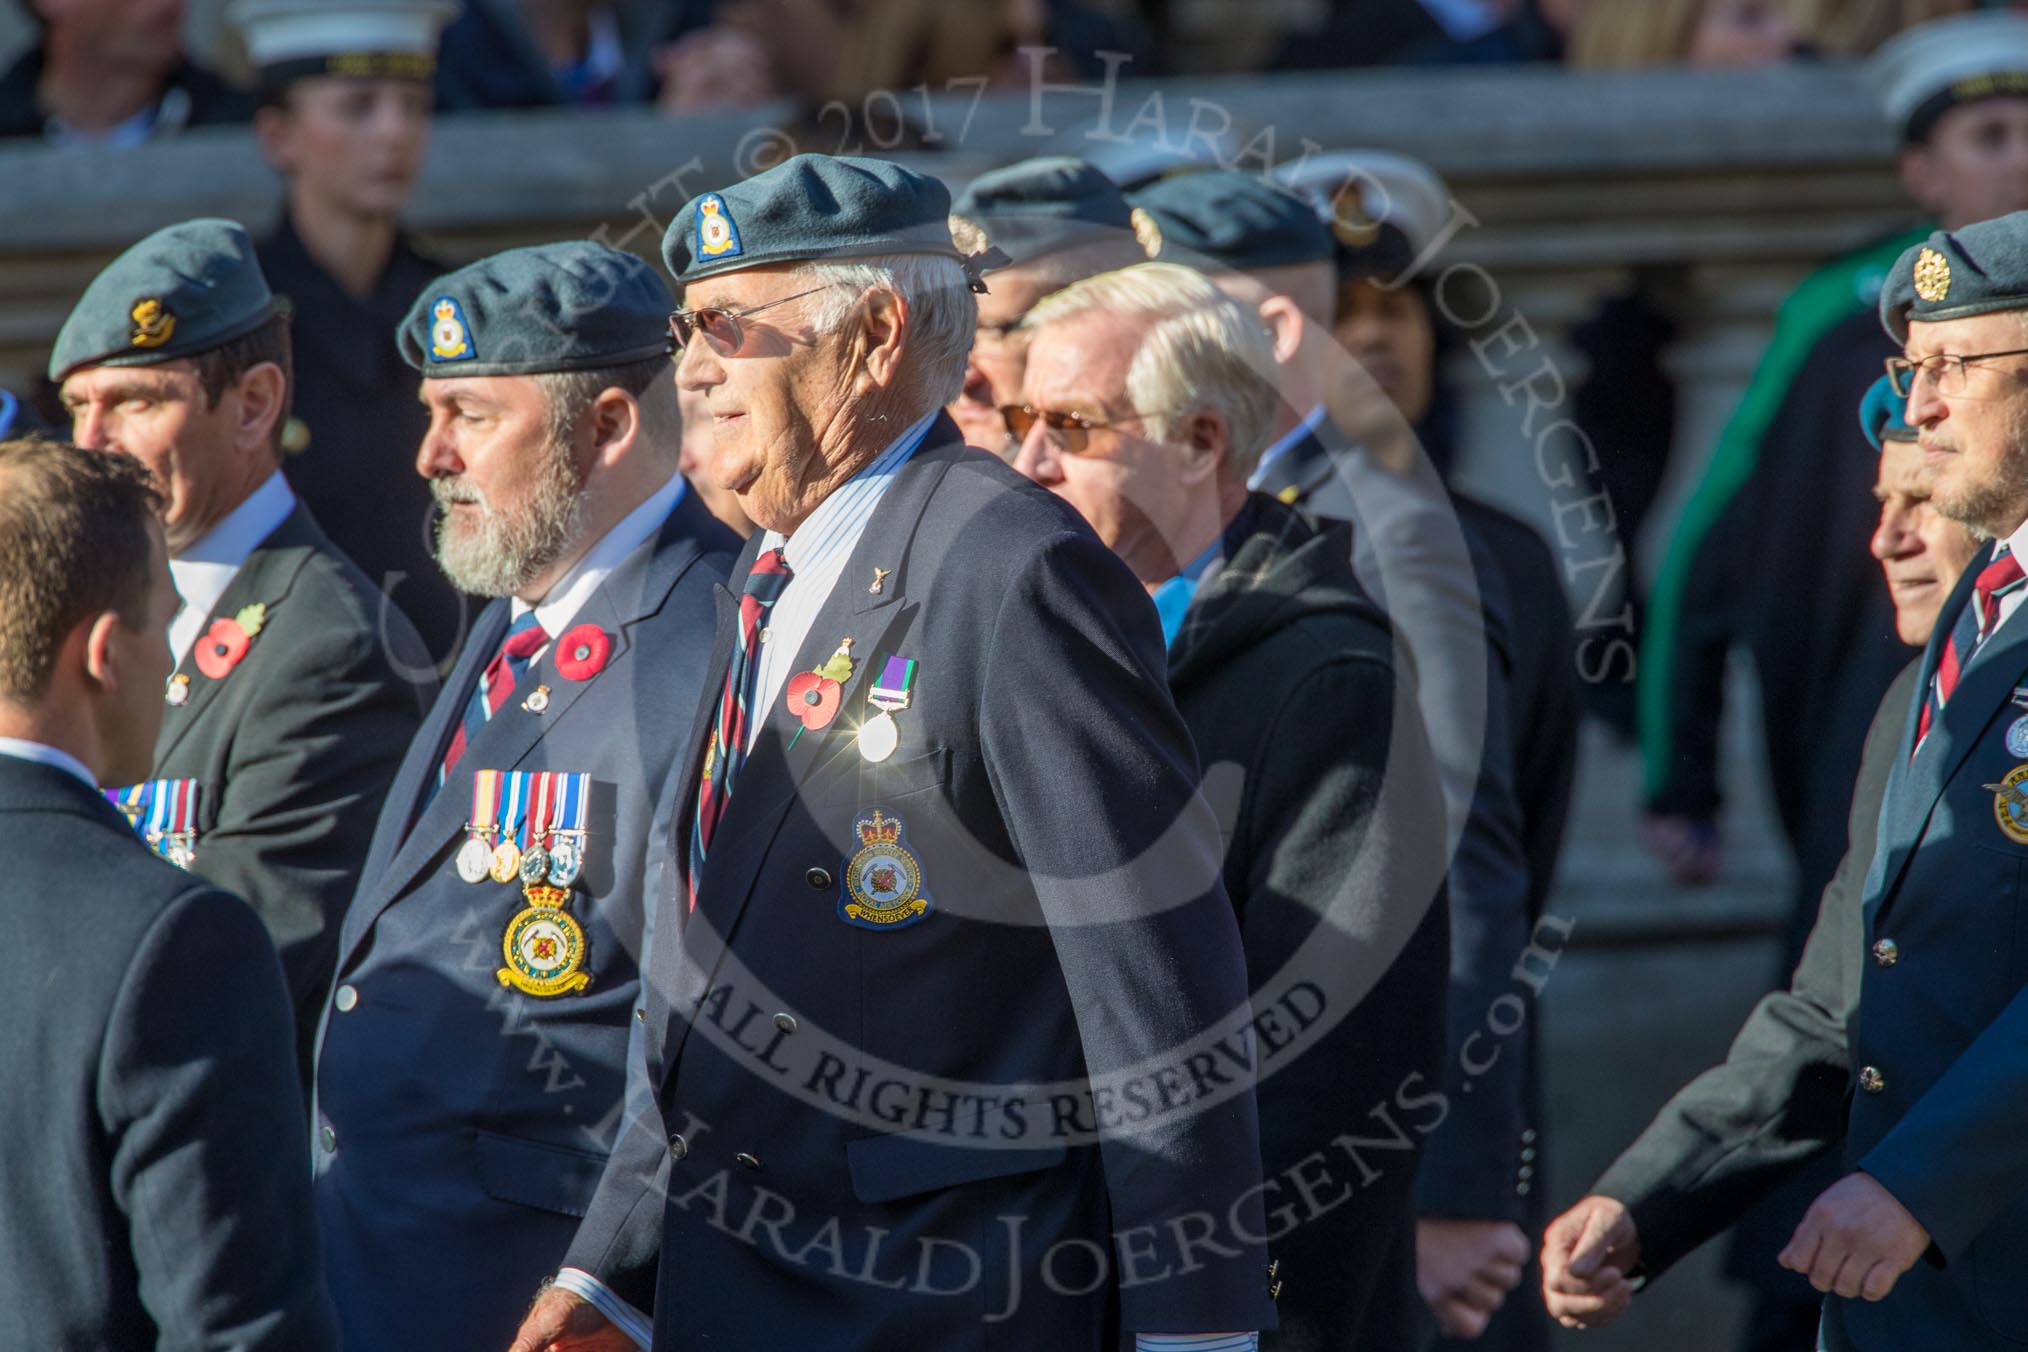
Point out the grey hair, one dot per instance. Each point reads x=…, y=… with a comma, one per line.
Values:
x=1202, y=352
x=942, y=313
x=567, y=395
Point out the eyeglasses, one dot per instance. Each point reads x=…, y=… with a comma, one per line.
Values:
x=1947, y=369
x=1072, y=430
x=720, y=326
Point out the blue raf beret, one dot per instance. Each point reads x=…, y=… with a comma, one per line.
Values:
x=810, y=207
x=183, y=290
x=1233, y=220
x=550, y=307
x=1956, y=274
x=1883, y=414
x=1040, y=206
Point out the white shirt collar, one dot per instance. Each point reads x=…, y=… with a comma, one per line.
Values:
x=840, y=518
x=204, y=570
x=44, y=754
x=2017, y=543
x=557, y=609
x=1306, y=427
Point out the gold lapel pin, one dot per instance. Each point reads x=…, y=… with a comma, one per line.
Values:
x=537, y=701
x=879, y=580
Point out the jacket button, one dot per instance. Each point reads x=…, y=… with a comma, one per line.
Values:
x=1527, y=1154
x=786, y=1022
x=640, y=1014
x=1528, y=1136
x=1886, y=952
x=746, y=1160
x=1523, y=1188
x=347, y=999
x=678, y=1147
x=818, y=877
x=1275, y=1291
x=328, y=1139
x=1871, y=1080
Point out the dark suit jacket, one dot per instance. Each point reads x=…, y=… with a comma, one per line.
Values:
x=936, y=1079
x=1947, y=1022
x=468, y=1122
x=1284, y=670
x=356, y=398
x=192, y=97
x=153, y=1179
x=1742, y=1128
x=293, y=749
x=1446, y=596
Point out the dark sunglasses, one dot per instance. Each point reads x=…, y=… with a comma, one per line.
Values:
x=1073, y=430
x=720, y=327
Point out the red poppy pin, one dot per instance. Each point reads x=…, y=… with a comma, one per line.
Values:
x=582, y=652
x=814, y=696
x=219, y=649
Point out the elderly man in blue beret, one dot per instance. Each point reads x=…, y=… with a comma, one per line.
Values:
x=948, y=1041
x=1902, y=1044
x=472, y=1055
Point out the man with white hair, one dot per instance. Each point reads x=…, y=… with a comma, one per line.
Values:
x=1334, y=862
x=933, y=1059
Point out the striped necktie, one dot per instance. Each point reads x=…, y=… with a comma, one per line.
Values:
x=727, y=752
x=524, y=639
x=1975, y=625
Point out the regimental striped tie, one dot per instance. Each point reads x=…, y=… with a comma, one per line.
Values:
x=1976, y=622
x=727, y=751
x=524, y=639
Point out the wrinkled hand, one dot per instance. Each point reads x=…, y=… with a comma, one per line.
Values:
x=1689, y=847
x=1855, y=1240
x=1586, y=1255
x=1465, y=1270
x=562, y=1322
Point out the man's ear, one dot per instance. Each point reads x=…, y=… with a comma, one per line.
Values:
x=101, y=655
x=616, y=424
x=883, y=320
x=262, y=395
x=1919, y=175
x=1207, y=444
x=1284, y=320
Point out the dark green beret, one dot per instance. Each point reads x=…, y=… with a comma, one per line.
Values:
x=1954, y=274
x=810, y=207
x=183, y=290
x=1883, y=414
x=550, y=307
x=1039, y=206
x=1234, y=220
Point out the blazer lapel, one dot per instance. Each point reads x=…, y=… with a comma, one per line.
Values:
x=633, y=593
x=264, y=579
x=781, y=762
x=419, y=769
x=1921, y=773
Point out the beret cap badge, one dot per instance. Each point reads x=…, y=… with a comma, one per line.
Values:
x=154, y=325
x=450, y=338
x=717, y=236
x=1932, y=276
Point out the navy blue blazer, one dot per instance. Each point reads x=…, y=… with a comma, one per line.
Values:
x=154, y=1116
x=1942, y=1023
x=462, y=1125
x=925, y=1131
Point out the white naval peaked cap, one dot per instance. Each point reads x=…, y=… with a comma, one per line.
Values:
x=1356, y=191
x=287, y=39
x=1933, y=67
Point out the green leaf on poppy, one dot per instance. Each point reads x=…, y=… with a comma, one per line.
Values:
x=251, y=618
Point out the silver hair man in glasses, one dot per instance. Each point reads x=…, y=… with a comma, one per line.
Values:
x=976, y=970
